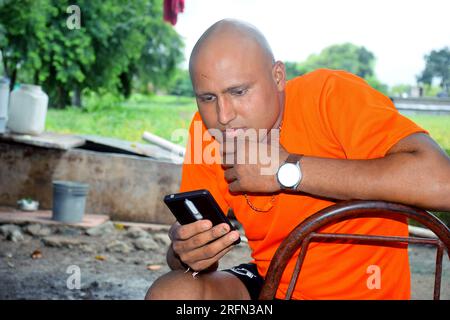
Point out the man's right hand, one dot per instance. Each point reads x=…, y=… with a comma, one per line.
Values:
x=200, y=245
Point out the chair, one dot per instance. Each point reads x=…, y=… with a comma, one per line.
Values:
x=308, y=231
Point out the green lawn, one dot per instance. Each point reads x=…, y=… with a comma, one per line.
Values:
x=438, y=126
x=160, y=115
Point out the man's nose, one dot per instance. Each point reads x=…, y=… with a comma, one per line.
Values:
x=225, y=111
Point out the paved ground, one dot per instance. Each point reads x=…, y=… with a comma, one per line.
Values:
x=119, y=263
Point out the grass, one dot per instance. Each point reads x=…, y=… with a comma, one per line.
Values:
x=438, y=126
x=160, y=115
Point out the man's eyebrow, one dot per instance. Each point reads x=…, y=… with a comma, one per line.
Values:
x=202, y=94
x=237, y=87
x=229, y=89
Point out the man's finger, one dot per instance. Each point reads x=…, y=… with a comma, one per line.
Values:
x=184, y=232
x=201, y=239
x=172, y=229
x=230, y=174
x=235, y=186
x=211, y=249
x=205, y=264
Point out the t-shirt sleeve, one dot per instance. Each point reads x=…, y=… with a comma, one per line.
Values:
x=200, y=175
x=365, y=122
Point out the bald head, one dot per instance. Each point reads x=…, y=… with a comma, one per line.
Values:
x=232, y=35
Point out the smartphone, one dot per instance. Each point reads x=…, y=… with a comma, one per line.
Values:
x=196, y=205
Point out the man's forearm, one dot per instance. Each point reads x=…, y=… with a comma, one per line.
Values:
x=400, y=177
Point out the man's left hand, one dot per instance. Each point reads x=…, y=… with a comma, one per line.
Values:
x=251, y=166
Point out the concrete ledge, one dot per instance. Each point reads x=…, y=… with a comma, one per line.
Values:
x=9, y=215
x=123, y=187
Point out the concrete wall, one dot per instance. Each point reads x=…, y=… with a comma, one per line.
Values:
x=124, y=187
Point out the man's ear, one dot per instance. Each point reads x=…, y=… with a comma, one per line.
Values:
x=279, y=75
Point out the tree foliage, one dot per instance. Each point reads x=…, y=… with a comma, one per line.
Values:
x=437, y=66
x=347, y=56
x=181, y=84
x=118, y=42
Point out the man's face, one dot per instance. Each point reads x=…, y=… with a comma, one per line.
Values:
x=237, y=88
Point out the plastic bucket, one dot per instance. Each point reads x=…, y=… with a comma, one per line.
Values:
x=69, y=201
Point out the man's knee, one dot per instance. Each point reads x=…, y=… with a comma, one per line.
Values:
x=176, y=285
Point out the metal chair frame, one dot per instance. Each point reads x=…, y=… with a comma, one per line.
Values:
x=307, y=232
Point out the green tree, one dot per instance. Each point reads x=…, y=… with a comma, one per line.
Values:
x=181, y=84
x=347, y=56
x=437, y=66
x=161, y=54
x=400, y=89
x=22, y=27
x=109, y=51
x=377, y=84
x=292, y=69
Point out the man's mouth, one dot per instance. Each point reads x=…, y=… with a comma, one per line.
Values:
x=233, y=132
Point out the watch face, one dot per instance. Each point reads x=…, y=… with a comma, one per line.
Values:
x=288, y=175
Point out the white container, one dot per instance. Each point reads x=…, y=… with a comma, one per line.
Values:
x=3, y=125
x=4, y=99
x=27, y=110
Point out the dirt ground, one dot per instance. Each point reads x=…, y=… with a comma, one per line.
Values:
x=120, y=263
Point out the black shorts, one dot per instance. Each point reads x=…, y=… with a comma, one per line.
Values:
x=248, y=274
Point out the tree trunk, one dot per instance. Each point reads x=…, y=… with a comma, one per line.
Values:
x=63, y=98
x=59, y=97
x=12, y=75
x=13, y=79
x=125, y=81
x=36, y=78
x=76, y=99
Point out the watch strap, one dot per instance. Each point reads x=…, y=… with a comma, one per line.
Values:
x=294, y=158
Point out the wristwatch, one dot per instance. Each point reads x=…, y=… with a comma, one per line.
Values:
x=289, y=174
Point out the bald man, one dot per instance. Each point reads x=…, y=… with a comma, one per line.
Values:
x=342, y=140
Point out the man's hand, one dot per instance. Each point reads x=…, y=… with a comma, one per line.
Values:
x=200, y=245
x=251, y=166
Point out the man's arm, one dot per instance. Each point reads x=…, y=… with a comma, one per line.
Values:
x=415, y=171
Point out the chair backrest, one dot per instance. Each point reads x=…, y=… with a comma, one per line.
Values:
x=306, y=232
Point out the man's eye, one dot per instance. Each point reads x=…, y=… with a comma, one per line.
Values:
x=240, y=92
x=207, y=98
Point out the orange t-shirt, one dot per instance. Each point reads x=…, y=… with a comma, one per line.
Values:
x=330, y=114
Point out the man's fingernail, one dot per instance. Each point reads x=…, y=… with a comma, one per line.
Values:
x=224, y=230
x=206, y=226
x=234, y=236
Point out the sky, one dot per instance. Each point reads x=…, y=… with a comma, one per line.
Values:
x=398, y=32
